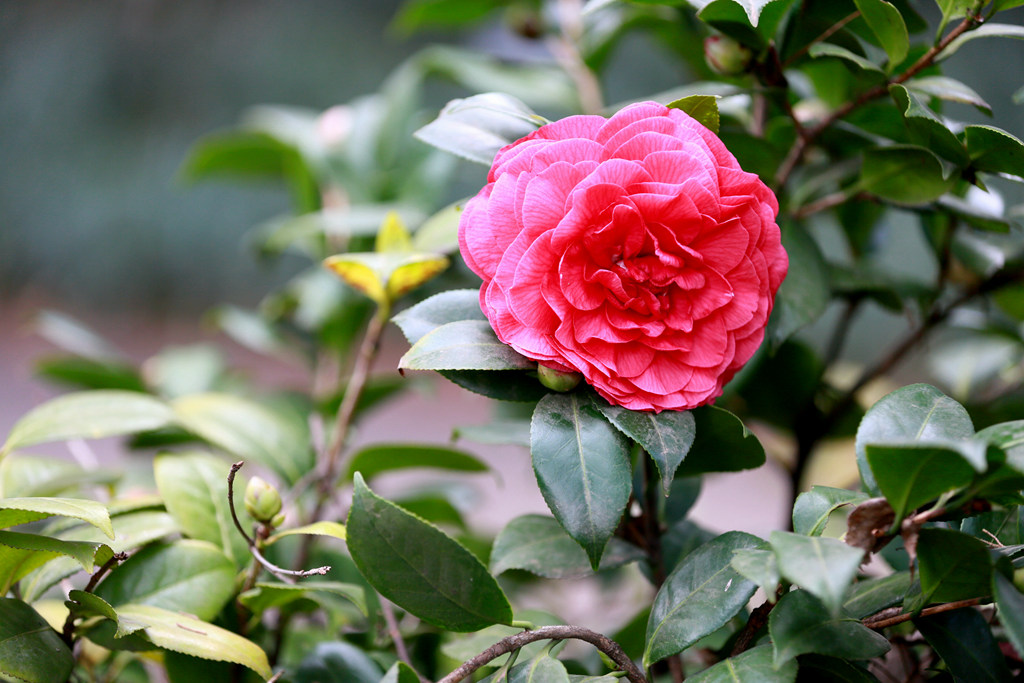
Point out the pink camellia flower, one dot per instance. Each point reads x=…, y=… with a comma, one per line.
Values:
x=633, y=250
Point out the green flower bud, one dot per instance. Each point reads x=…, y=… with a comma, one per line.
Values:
x=725, y=56
x=556, y=380
x=262, y=501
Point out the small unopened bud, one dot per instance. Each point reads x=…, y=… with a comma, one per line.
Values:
x=725, y=56
x=557, y=380
x=262, y=501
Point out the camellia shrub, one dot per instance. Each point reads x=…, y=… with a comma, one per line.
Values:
x=646, y=293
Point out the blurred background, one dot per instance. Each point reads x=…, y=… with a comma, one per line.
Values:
x=101, y=101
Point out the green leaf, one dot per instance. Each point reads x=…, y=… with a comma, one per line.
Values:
x=503, y=385
x=542, y=668
x=463, y=345
x=15, y=511
x=752, y=22
x=994, y=150
x=26, y=476
x=322, y=528
x=833, y=670
x=800, y=624
x=949, y=89
x=904, y=174
x=89, y=555
x=804, y=293
x=194, y=487
x=825, y=567
x=172, y=630
x=702, y=108
x=88, y=415
x=186, y=576
x=760, y=566
x=666, y=436
x=813, y=508
x=873, y=595
x=918, y=412
x=700, y=596
x=476, y=127
x=832, y=50
x=582, y=467
x=1009, y=437
x=29, y=649
x=383, y=457
x=756, y=665
x=886, y=22
x=926, y=128
x=447, y=307
x=988, y=30
x=911, y=475
x=249, y=430
x=419, y=568
x=440, y=232
x=400, y=673
x=263, y=596
x=964, y=641
x=86, y=373
x=1011, y=609
x=337, y=661
x=953, y=566
x=538, y=544
x=722, y=444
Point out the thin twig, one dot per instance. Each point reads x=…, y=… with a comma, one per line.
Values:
x=796, y=152
x=518, y=640
x=565, y=50
x=758, y=618
x=396, y=635
x=825, y=35
x=882, y=620
x=280, y=572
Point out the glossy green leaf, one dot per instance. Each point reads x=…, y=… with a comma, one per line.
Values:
x=994, y=150
x=400, y=672
x=760, y=566
x=869, y=596
x=89, y=555
x=440, y=309
x=88, y=374
x=953, y=566
x=582, y=467
x=926, y=128
x=752, y=22
x=463, y=345
x=194, y=487
x=700, y=596
x=911, y=475
x=14, y=511
x=804, y=293
x=1008, y=436
x=838, y=51
x=917, y=412
x=812, y=508
x=337, y=661
x=27, y=476
x=538, y=544
x=30, y=650
x=419, y=568
x=247, y=429
x=666, y=436
x=1010, y=602
x=172, y=630
x=987, y=30
x=801, y=624
x=756, y=665
x=819, y=668
x=825, y=567
x=322, y=528
x=541, y=668
x=887, y=24
x=722, y=444
x=384, y=457
x=702, y=108
x=964, y=640
x=949, y=89
x=904, y=174
x=263, y=596
x=187, y=576
x=476, y=127
x=88, y=415
x=503, y=385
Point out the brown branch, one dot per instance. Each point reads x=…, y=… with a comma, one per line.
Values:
x=883, y=620
x=396, y=635
x=518, y=640
x=758, y=618
x=796, y=152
